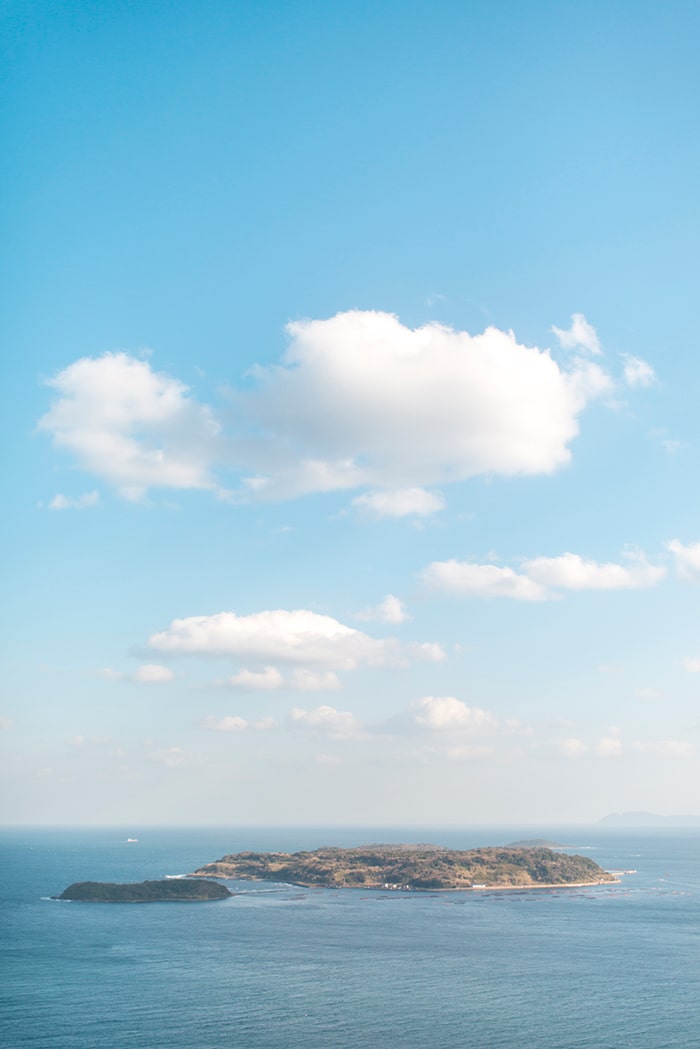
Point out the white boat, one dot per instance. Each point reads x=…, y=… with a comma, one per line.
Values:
x=132, y=839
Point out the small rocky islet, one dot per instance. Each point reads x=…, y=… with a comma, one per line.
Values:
x=167, y=890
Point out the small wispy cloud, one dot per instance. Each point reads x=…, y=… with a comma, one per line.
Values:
x=390, y=610
x=651, y=694
x=80, y=502
x=234, y=723
x=686, y=557
x=271, y=679
x=638, y=374
x=148, y=674
x=571, y=747
x=581, y=335
x=336, y=724
x=608, y=747
x=671, y=445
x=92, y=741
x=400, y=502
x=428, y=651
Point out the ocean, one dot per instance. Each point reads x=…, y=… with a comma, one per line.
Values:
x=279, y=967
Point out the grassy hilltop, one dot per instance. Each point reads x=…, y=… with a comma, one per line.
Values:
x=412, y=867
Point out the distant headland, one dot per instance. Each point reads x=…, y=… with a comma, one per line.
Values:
x=411, y=867
x=535, y=843
x=647, y=819
x=168, y=890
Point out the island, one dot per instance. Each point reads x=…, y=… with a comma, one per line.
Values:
x=535, y=843
x=412, y=867
x=166, y=891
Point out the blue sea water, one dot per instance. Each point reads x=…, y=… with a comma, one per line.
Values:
x=278, y=967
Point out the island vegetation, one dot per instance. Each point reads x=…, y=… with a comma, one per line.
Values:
x=171, y=889
x=412, y=867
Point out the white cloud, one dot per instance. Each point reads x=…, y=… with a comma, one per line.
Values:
x=111, y=675
x=297, y=636
x=233, y=723
x=608, y=747
x=148, y=674
x=253, y=680
x=651, y=694
x=580, y=334
x=571, y=747
x=80, y=502
x=304, y=680
x=401, y=502
x=428, y=651
x=638, y=373
x=692, y=665
x=91, y=741
x=153, y=673
x=540, y=578
x=362, y=400
x=431, y=714
x=317, y=642
x=687, y=558
x=572, y=572
x=336, y=724
x=265, y=724
x=230, y=723
x=390, y=610
x=271, y=679
x=466, y=578
x=515, y=727
x=132, y=427
x=358, y=401
x=446, y=713
x=660, y=435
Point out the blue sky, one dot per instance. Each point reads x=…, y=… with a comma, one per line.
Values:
x=350, y=406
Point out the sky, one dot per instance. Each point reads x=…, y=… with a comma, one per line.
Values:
x=351, y=376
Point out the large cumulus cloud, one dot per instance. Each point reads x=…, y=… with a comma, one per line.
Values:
x=359, y=400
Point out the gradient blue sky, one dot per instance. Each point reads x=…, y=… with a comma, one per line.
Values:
x=405, y=184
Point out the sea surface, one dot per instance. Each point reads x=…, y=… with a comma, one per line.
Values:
x=279, y=967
